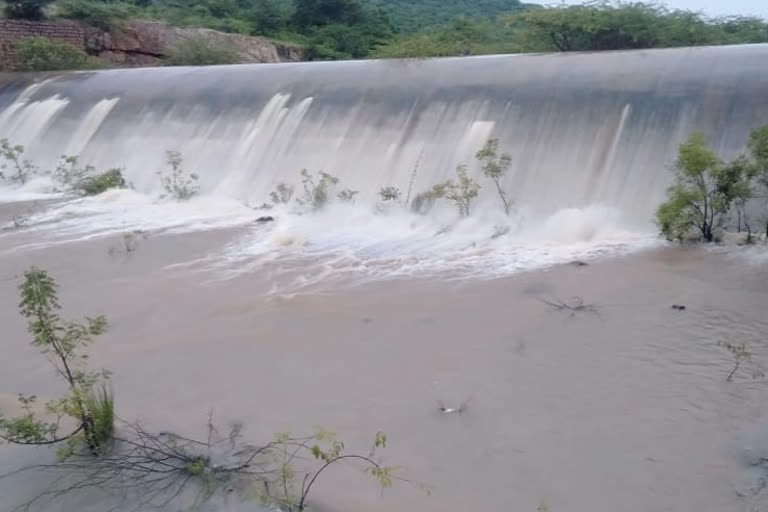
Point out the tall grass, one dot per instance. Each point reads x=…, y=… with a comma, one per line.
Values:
x=100, y=404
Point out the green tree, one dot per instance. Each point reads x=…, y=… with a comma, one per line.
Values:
x=43, y=54
x=63, y=343
x=495, y=167
x=703, y=192
x=461, y=192
x=316, y=13
x=758, y=148
x=26, y=9
x=616, y=25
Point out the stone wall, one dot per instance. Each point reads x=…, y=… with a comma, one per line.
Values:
x=13, y=30
x=139, y=43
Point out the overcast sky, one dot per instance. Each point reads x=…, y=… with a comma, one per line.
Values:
x=714, y=7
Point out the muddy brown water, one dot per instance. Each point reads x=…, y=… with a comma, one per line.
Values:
x=626, y=409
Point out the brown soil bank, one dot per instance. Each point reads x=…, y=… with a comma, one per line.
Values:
x=625, y=408
x=140, y=43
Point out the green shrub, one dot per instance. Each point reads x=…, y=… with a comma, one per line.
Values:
x=201, y=52
x=178, y=183
x=42, y=54
x=100, y=406
x=94, y=185
x=25, y=9
x=105, y=16
x=703, y=192
x=462, y=192
x=316, y=188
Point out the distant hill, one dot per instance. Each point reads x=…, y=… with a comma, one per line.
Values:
x=415, y=15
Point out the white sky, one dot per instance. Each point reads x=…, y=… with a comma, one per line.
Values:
x=713, y=7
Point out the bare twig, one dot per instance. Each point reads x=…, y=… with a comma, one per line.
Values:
x=573, y=305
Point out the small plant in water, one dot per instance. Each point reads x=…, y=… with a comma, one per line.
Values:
x=178, y=183
x=130, y=242
x=20, y=169
x=347, y=195
x=740, y=353
x=389, y=194
x=63, y=343
x=461, y=192
x=282, y=194
x=495, y=167
x=87, y=180
x=316, y=188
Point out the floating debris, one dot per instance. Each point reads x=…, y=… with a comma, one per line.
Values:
x=678, y=307
x=453, y=410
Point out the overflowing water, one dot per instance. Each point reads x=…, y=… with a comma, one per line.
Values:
x=622, y=407
x=591, y=138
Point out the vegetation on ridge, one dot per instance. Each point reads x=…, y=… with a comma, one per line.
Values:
x=356, y=29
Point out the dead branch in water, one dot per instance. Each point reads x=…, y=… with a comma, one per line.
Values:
x=149, y=470
x=574, y=305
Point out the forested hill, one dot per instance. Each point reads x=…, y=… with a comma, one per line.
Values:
x=416, y=15
x=358, y=29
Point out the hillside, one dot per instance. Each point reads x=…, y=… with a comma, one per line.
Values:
x=359, y=29
x=416, y=15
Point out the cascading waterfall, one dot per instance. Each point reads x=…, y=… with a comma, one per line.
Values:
x=591, y=138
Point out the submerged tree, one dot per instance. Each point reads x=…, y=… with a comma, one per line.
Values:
x=495, y=167
x=461, y=192
x=758, y=148
x=316, y=188
x=20, y=169
x=178, y=183
x=63, y=343
x=703, y=192
x=154, y=469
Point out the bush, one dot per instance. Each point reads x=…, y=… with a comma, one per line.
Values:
x=282, y=194
x=176, y=182
x=96, y=14
x=461, y=193
x=495, y=167
x=22, y=169
x=202, y=52
x=390, y=193
x=42, y=54
x=95, y=185
x=703, y=193
x=316, y=188
x=25, y=9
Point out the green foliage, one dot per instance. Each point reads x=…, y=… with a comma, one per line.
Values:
x=702, y=194
x=316, y=188
x=202, y=52
x=100, y=407
x=495, y=167
x=347, y=195
x=390, y=193
x=409, y=16
x=25, y=9
x=100, y=14
x=43, y=54
x=609, y=25
x=12, y=154
x=456, y=38
x=87, y=180
x=27, y=428
x=461, y=192
x=178, y=183
x=316, y=13
x=63, y=343
x=283, y=491
x=99, y=183
x=282, y=194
